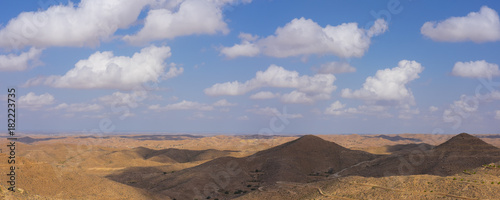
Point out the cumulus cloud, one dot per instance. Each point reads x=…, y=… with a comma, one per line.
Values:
x=246, y=48
x=179, y=18
x=338, y=108
x=21, y=62
x=475, y=69
x=482, y=26
x=85, y=24
x=302, y=37
x=335, y=68
x=264, y=95
x=190, y=105
x=104, y=70
x=316, y=87
x=34, y=102
x=297, y=97
x=335, y=108
x=497, y=114
x=388, y=84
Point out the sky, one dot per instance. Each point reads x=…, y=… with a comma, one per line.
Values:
x=251, y=66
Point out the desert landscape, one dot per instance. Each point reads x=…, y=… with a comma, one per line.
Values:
x=403, y=166
x=249, y=100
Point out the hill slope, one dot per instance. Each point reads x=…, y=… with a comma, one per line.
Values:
x=306, y=159
x=461, y=152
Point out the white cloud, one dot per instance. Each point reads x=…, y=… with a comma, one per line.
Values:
x=316, y=87
x=246, y=48
x=338, y=108
x=433, y=108
x=264, y=95
x=466, y=103
x=186, y=17
x=34, y=102
x=183, y=105
x=78, y=107
x=335, y=108
x=406, y=112
x=475, y=69
x=106, y=71
x=379, y=27
x=119, y=98
x=482, y=26
x=388, y=84
x=461, y=109
x=190, y=105
x=297, y=97
x=305, y=37
x=21, y=62
x=335, y=68
x=68, y=25
x=223, y=103
x=494, y=95
x=269, y=111
x=497, y=114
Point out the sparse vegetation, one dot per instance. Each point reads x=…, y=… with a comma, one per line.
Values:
x=238, y=191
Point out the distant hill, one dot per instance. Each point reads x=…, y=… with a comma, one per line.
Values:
x=306, y=159
x=461, y=152
x=179, y=155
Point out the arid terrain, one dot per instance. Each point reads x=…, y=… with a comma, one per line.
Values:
x=403, y=166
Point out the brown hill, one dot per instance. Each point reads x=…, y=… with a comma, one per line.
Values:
x=481, y=183
x=466, y=143
x=306, y=159
x=172, y=155
x=459, y=153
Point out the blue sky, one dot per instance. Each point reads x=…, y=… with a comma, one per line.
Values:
x=243, y=66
